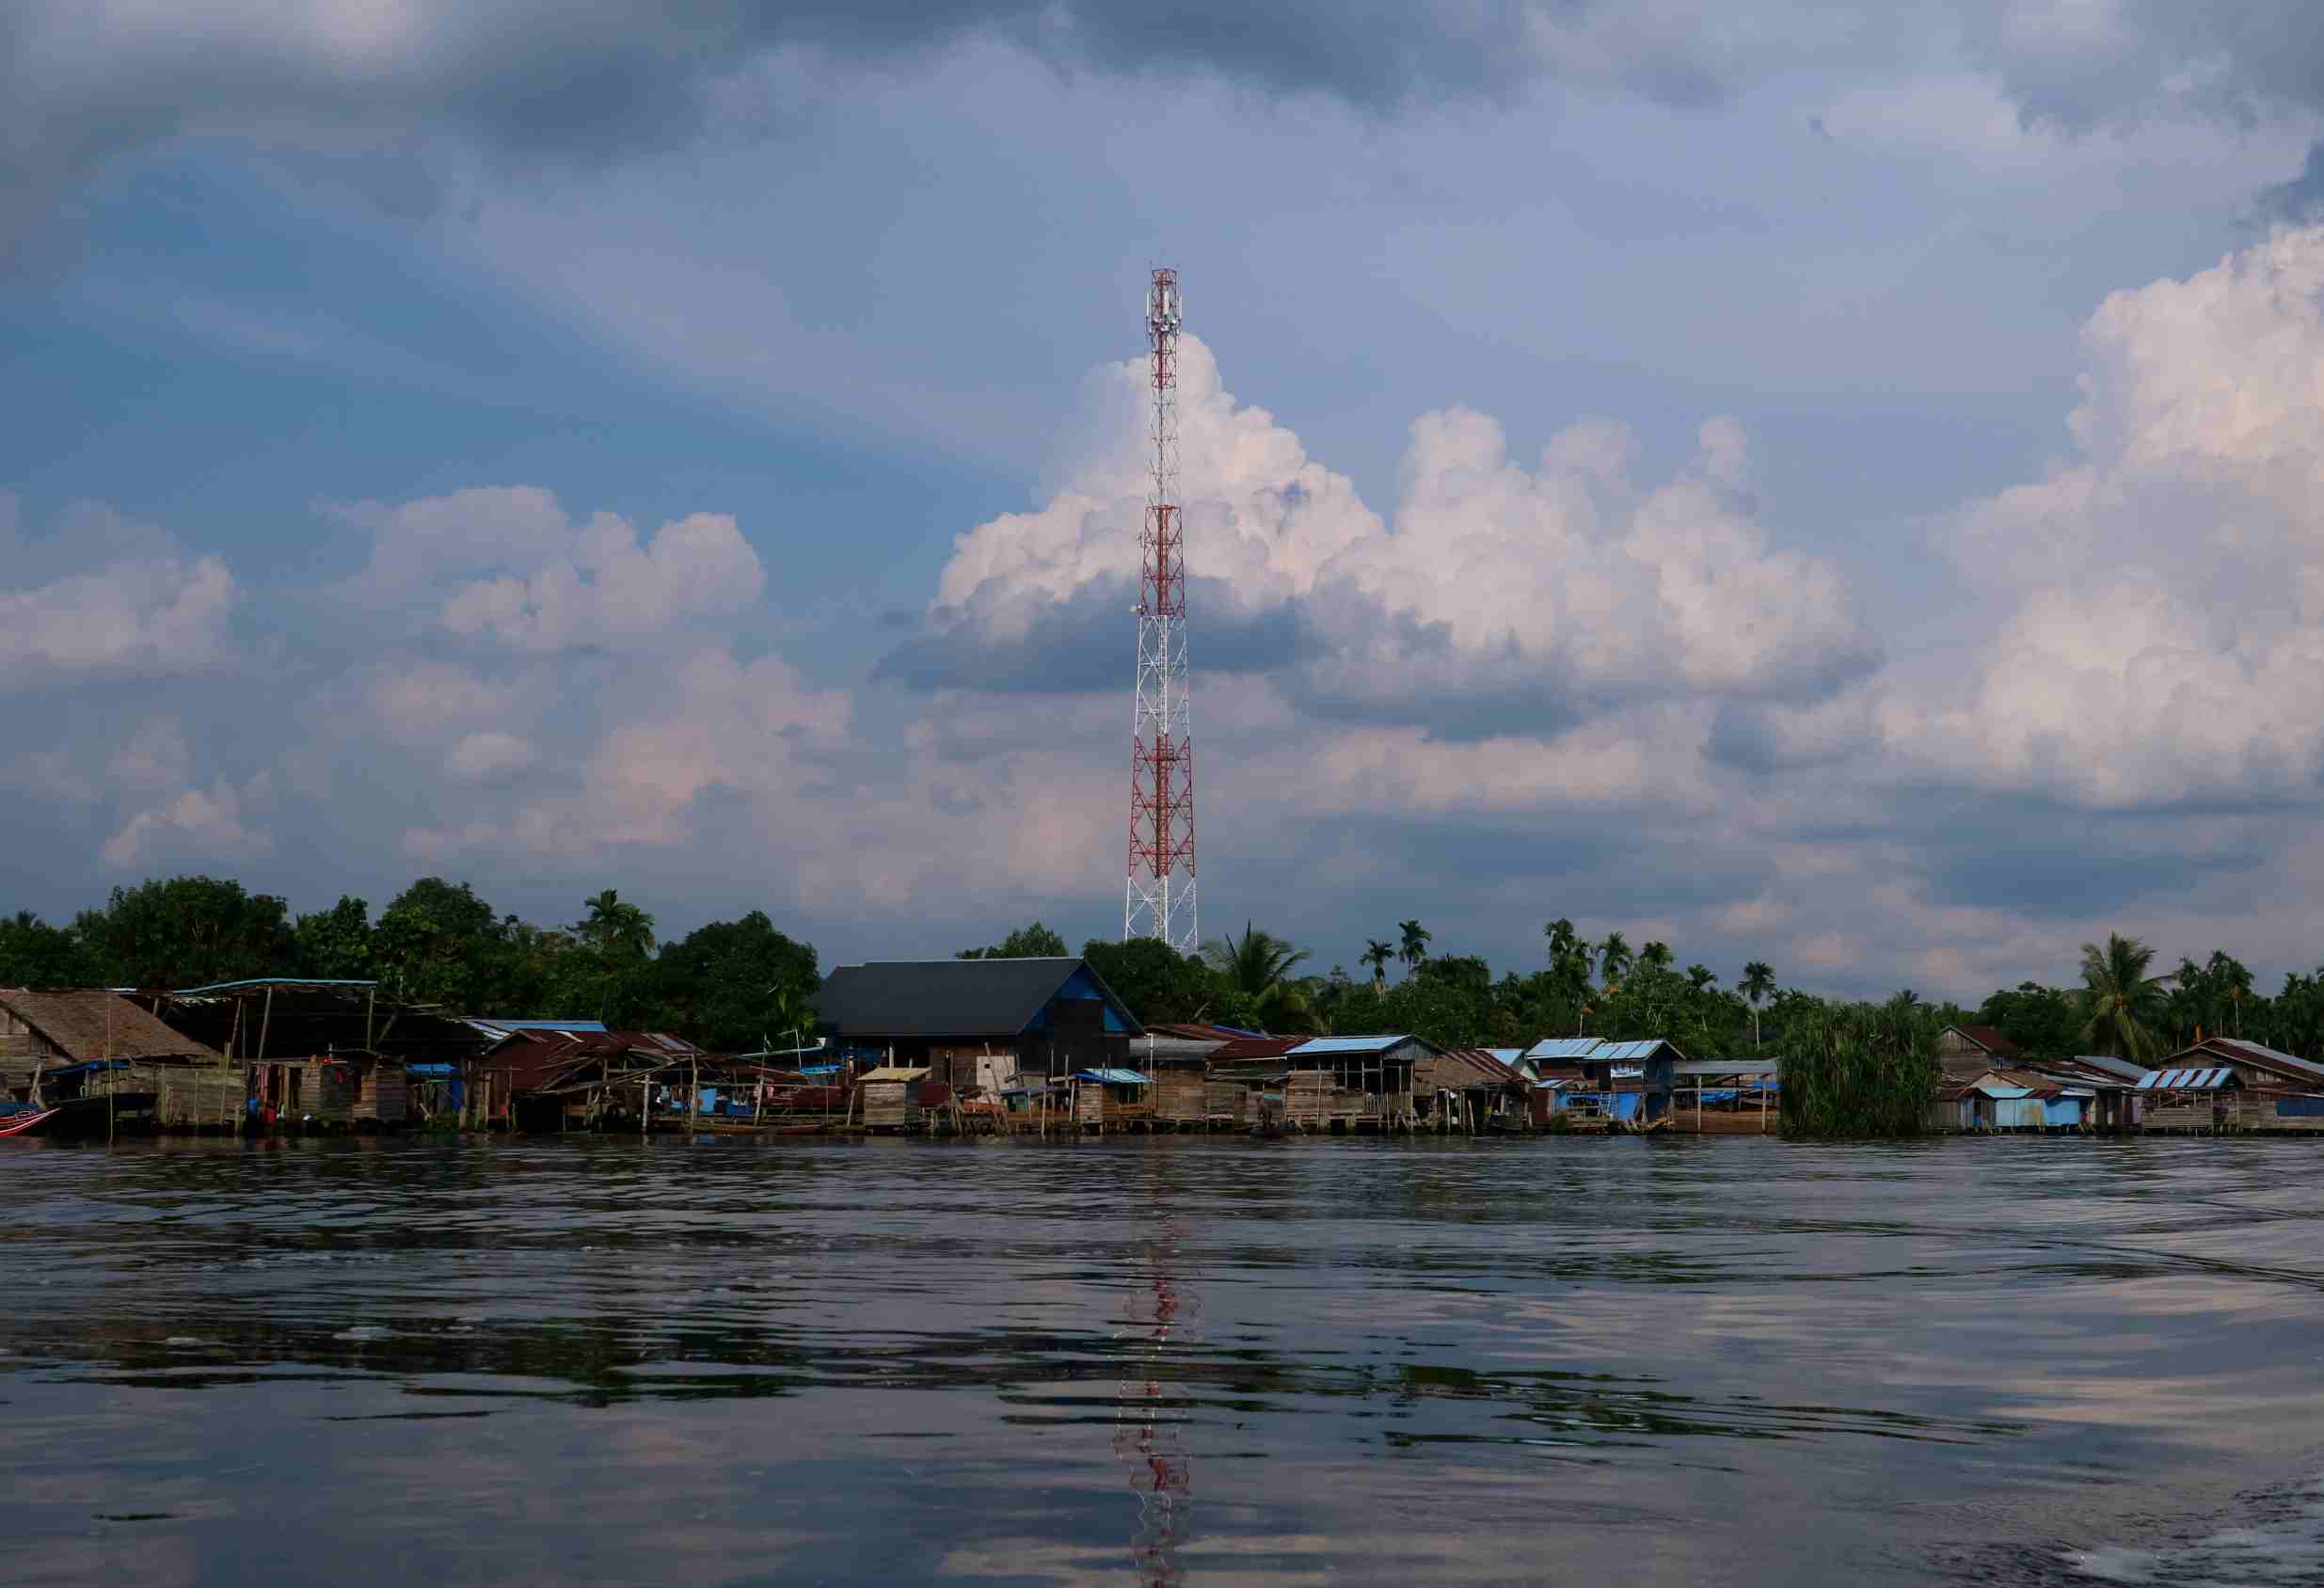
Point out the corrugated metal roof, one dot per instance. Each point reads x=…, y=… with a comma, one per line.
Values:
x=1563, y=1048
x=2227, y=1047
x=2186, y=1080
x=2127, y=1069
x=1255, y=1047
x=895, y=1072
x=1630, y=1053
x=1989, y=1039
x=1114, y=1077
x=1314, y=1045
x=1727, y=1067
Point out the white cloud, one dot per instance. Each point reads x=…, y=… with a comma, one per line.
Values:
x=155, y=756
x=482, y=757
x=605, y=588
x=416, y=545
x=203, y=824
x=115, y=600
x=1568, y=581
x=2161, y=636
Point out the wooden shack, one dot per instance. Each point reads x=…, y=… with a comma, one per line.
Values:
x=891, y=1097
x=1353, y=1083
x=1966, y=1052
x=1469, y=1090
x=1112, y=1100
x=1179, y=1066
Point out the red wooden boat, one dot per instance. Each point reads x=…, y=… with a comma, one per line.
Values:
x=25, y=1121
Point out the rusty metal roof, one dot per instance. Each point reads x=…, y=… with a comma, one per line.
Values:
x=1989, y=1039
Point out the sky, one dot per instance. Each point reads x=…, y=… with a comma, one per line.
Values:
x=1841, y=485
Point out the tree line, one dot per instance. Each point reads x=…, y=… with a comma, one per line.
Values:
x=731, y=986
x=738, y=985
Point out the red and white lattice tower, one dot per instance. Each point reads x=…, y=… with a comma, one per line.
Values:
x=1160, y=898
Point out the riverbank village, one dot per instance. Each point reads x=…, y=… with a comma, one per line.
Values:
x=1032, y=1046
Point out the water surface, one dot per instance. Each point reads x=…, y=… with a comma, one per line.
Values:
x=1178, y=1359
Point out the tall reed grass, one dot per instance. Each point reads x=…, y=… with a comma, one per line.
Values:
x=1859, y=1070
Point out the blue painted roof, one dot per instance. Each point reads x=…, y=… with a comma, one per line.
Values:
x=1114, y=1077
x=1345, y=1044
x=1563, y=1047
x=2185, y=1080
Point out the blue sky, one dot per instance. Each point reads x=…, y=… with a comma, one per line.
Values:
x=1820, y=483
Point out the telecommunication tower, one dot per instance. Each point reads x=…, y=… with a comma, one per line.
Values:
x=1159, y=902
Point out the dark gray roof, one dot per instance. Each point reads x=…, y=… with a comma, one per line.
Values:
x=949, y=997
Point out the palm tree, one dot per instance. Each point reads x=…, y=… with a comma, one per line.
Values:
x=1377, y=954
x=1258, y=965
x=2229, y=976
x=1700, y=976
x=1562, y=940
x=1614, y=960
x=2121, y=1003
x=1415, y=947
x=1757, y=986
x=1655, y=957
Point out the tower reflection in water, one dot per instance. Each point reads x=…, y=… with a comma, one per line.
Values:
x=1162, y=1317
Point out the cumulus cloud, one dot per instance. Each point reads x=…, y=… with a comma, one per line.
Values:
x=2162, y=590
x=1501, y=596
x=605, y=588
x=484, y=757
x=121, y=600
x=203, y=824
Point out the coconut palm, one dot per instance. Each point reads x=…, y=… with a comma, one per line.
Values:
x=1259, y=965
x=1655, y=957
x=1415, y=947
x=2234, y=981
x=1614, y=960
x=1377, y=954
x=2121, y=1003
x=1757, y=986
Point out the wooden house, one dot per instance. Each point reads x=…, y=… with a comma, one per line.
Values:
x=1470, y=1091
x=1966, y=1052
x=1045, y=1017
x=1112, y=1100
x=1353, y=1083
x=2272, y=1091
x=1180, y=1067
x=94, y=1043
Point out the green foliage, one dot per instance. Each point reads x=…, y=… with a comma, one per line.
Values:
x=1035, y=942
x=2123, y=1007
x=334, y=943
x=1860, y=1070
x=187, y=931
x=1415, y=944
x=2043, y=1022
x=35, y=954
x=1257, y=966
x=734, y=986
x=1157, y=981
x=440, y=944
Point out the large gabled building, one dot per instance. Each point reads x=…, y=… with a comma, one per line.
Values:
x=969, y=1021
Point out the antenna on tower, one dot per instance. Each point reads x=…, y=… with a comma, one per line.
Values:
x=1159, y=900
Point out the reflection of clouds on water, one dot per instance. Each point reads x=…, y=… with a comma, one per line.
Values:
x=2288, y=1547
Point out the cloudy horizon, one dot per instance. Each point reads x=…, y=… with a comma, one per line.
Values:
x=1830, y=486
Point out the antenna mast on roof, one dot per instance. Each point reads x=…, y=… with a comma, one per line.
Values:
x=1159, y=899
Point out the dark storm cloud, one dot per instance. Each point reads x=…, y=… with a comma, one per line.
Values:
x=1339, y=654
x=597, y=79
x=2083, y=66
x=1088, y=643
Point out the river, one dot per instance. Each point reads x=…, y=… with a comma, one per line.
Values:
x=1167, y=1360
